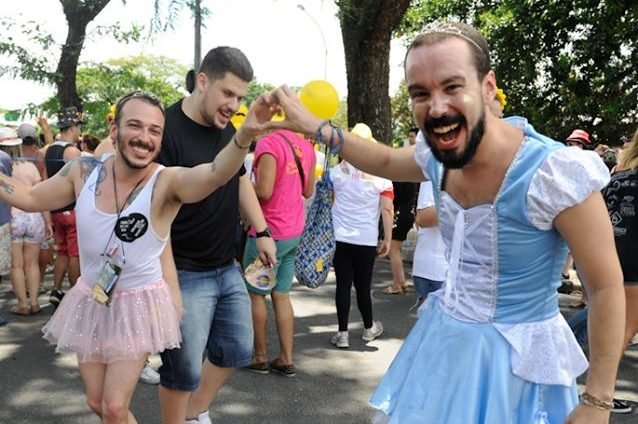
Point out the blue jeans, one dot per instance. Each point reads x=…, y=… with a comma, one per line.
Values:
x=425, y=286
x=217, y=322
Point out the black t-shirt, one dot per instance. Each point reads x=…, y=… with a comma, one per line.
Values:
x=54, y=162
x=203, y=233
x=621, y=196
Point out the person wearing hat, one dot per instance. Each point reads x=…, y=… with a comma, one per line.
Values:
x=6, y=168
x=283, y=169
x=359, y=200
x=63, y=150
x=28, y=230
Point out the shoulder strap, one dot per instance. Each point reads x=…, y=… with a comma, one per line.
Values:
x=297, y=161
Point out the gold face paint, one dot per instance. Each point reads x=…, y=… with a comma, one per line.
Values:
x=467, y=99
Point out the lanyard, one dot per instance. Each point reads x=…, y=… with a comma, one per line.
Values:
x=119, y=210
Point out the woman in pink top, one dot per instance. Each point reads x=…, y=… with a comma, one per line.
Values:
x=28, y=230
x=284, y=174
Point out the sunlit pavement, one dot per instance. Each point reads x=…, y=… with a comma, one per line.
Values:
x=331, y=387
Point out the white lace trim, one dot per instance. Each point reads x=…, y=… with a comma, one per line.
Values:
x=566, y=178
x=544, y=352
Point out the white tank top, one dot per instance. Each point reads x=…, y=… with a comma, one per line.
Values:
x=141, y=245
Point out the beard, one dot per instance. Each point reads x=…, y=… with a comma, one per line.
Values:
x=450, y=158
x=127, y=160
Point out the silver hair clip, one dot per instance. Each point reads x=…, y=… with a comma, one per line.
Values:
x=446, y=27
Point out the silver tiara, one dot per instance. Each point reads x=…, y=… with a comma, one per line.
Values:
x=447, y=27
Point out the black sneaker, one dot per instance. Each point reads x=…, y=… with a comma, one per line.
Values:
x=55, y=297
x=566, y=287
x=620, y=406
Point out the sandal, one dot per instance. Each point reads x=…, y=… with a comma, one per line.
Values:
x=20, y=310
x=36, y=309
x=392, y=290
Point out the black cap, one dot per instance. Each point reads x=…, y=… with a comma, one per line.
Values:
x=69, y=116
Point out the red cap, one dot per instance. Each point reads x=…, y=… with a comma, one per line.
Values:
x=580, y=136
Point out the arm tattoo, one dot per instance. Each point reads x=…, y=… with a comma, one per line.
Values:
x=66, y=169
x=101, y=176
x=7, y=187
x=86, y=167
x=213, y=166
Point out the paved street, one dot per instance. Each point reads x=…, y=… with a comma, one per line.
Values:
x=332, y=386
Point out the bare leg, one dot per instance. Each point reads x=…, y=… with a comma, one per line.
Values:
x=31, y=251
x=59, y=270
x=173, y=404
x=17, y=276
x=120, y=380
x=74, y=270
x=260, y=321
x=285, y=318
x=93, y=377
x=396, y=264
x=213, y=378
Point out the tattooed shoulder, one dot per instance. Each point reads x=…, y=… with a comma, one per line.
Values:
x=66, y=169
x=87, y=166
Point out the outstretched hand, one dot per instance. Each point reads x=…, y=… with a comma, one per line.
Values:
x=298, y=118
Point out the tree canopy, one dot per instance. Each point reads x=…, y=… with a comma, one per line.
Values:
x=563, y=64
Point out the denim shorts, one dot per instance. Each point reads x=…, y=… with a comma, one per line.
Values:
x=217, y=323
x=425, y=286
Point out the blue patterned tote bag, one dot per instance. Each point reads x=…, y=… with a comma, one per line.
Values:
x=317, y=245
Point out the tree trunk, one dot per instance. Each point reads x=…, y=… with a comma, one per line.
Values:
x=78, y=15
x=366, y=27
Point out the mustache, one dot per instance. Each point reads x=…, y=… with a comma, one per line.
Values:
x=138, y=143
x=430, y=123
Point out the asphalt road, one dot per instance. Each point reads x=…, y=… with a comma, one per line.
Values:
x=331, y=387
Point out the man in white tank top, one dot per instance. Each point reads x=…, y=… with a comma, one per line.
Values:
x=135, y=200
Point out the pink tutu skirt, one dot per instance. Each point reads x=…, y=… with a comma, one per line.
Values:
x=138, y=322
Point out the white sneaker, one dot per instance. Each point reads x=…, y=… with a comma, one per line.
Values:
x=373, y=332
x=203, y=418
x=149, y=375
x=340, y=339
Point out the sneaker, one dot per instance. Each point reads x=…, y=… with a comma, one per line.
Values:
x=566, y=287
x=259, y=368
x=620, y=406
x=373, y=332
x=283, y=369
x=203, y=418
x=340, y=339
x=149, y=375
x=55, y=297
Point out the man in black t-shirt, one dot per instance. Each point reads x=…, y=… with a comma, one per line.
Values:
x=218, y=319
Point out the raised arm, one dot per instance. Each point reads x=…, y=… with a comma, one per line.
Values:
x=53, y=193
x=373, y=158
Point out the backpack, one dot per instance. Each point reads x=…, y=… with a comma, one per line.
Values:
x=317, y=244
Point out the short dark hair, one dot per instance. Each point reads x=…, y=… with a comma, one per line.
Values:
x=221, y=60
x=436, y=32
x=91, y=141
x=413, y=130
x=30, y=141
x=144, y=96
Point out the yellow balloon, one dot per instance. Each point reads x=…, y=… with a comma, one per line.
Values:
x=239, y=116
x=320, y=98
x=280, y=116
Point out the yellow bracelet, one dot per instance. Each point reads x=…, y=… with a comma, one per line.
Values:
x=589, y=400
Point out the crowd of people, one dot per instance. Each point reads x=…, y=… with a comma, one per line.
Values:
x=146, y=225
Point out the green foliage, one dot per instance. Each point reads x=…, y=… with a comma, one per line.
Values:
x=255, y=89
x=100, y=85
x=401, y=115
x=563, y=64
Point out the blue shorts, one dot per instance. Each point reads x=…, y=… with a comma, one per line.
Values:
x=217, y=323
x=425, y=286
